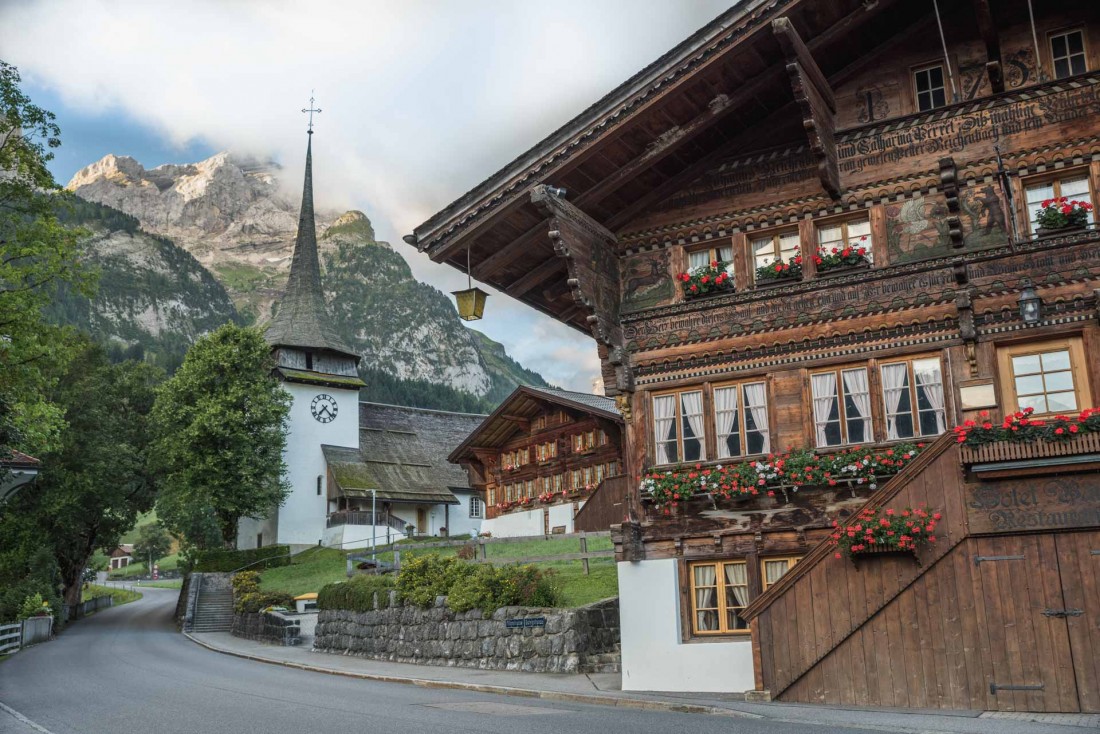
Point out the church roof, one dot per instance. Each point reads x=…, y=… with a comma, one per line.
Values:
x=302, y=319
x=402, y=455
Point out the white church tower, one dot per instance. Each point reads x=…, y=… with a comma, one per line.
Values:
x=318, y=369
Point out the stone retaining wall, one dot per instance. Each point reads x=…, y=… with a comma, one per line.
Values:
x=266, y=626
x=582, y=640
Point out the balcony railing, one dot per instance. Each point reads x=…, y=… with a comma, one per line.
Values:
x=366, y=517
x=1002, y=451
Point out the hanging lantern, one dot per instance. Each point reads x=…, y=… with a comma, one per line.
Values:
x=470, y=302
x=1031, y=306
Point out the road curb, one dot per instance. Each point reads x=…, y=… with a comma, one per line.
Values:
x=644, y=704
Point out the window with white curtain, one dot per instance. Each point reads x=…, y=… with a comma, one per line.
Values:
x=1074, y=187
x=678, y=428
x=741, y=420
x=854, y=233
x=841, y=407
x=780, y=247
x=719, y=595
x=704, y=257
x=773, y=569
x=912, y=394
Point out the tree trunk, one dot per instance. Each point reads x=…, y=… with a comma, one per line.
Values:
x=229, y=530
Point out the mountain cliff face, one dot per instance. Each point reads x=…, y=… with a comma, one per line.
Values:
x=153, y=299
x=232, y=216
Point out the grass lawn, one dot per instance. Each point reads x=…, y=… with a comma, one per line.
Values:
x=145, y=518
x=312, y=569
x=167, y=584
x=168, y=563
x=122, y=596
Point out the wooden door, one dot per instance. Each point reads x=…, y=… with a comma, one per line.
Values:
x=1028, y=662
x=421, y=521
x=1079, y=566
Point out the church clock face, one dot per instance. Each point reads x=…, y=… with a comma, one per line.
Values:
x=324, y=408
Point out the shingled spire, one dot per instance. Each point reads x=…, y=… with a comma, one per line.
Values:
x=302, y=320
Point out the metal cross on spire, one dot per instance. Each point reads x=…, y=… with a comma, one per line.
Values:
x=311, y=110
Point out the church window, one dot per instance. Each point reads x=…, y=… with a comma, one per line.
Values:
x=1067, y=50
x=475, y=507
x=319, y=479
x=929, y=86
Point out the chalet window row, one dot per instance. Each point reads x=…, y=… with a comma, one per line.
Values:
x=910, y=395
x=720, y=592
x=585, y=477
x=580, y=443
x=546, y=420
x=784, y=244
x=1067, y=55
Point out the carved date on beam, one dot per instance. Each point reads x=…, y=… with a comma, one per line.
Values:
x=816, y=102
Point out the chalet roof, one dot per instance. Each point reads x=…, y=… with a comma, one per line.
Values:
x=402, y=455
x=525, y=403
x=724, y=89
x=302, y=319
x=19, y=460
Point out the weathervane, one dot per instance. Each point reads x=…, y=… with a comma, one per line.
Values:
x=311, y=110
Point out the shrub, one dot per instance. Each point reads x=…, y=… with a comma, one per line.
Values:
x=214, y=561
x=255, y=601
x=33, y=606
x=357, y=594
x=488, y=588
x=246, y=582
x=424, y=578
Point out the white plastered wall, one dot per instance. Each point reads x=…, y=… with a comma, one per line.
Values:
x=654, y=655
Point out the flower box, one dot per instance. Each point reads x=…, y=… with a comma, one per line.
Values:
x=883, y=550
x=1060, y=214
x=706, y=280
x=1044, y=232
x=885, y=531
x=843, y=270
x=786, y=280
x=720, y=290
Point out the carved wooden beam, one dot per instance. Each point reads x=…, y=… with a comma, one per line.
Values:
x=509, y=253
x=815, y=99
x=988, y=30
x=534, y=277
x=658, y=150
x=519, y=420
x=949, y=182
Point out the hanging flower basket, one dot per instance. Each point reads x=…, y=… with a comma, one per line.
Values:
x=885, y=531
x=470, y=303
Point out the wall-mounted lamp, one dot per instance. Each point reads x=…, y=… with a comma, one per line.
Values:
x=1031, y=306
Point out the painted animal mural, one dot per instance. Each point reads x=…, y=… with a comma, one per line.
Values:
x=646, y=280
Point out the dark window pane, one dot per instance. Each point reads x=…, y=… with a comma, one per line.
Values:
x=832, y=434
x=1058, y=46
x=1078, y=63
x=905, y=425
x=935, y=77
x=938, y=98
x=693, y=449
x=733, y=445
x=1061, y=68
x=755, y=442
x=1076, y=43
x=734, y=621
x=929, y=426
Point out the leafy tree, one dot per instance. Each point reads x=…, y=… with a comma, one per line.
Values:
x=220, y=425
x=153, y=543
x=37, y=254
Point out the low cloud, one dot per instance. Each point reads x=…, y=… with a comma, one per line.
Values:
x=422, y=100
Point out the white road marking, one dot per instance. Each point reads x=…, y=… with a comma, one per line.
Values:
x=23, y=719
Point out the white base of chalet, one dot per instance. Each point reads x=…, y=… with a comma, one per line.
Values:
x=654, y=655
x=533, y=522
x=355, y=537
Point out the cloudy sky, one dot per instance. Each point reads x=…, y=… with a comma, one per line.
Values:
x=422, y=99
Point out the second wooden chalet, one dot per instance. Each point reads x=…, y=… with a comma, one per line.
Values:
x=548, y=461
x=807, y=242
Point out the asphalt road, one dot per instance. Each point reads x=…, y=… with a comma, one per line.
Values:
x=127, y=670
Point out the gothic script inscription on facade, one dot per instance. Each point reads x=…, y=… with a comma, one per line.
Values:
x=1041, y=503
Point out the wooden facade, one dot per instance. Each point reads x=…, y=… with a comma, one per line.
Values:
x=543, y=447
x=784, y=129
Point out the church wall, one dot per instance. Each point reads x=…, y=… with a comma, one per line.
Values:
x=302, y=516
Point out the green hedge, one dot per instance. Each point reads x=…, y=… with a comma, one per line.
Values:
x=356, y=594
x=248, y=598
x=466, y=586
x=214, y=561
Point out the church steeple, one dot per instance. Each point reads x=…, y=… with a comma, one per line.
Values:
x=302, y=320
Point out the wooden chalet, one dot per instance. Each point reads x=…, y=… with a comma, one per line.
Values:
x=920, y=145
x=547, y=461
